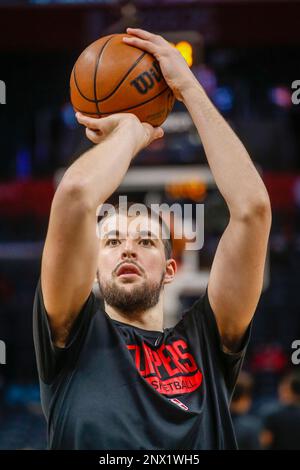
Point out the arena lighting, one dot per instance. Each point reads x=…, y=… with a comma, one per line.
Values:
x=193, y=190
x=186, y=50
x=281, y=96
x=189, y=44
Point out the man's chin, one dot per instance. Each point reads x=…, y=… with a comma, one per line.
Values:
x=124, y=279
x=132, y=294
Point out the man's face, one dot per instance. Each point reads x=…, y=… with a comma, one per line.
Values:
x=132, y=267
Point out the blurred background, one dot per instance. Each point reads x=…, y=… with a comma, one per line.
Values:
x=246, y=55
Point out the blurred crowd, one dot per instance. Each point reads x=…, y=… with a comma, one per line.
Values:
x=269, y=424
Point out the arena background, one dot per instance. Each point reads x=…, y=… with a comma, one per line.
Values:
x=246, y=55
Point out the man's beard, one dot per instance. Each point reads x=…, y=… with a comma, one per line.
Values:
x=140, y=298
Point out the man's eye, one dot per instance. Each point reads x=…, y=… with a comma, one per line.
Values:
x=112, y=242
x=147, y=241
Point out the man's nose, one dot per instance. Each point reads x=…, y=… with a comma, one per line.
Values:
x=129, y=249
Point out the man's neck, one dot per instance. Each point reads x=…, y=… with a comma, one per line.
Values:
x=151, y=319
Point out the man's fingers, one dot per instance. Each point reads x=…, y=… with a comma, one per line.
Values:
x=92, y=123
x=153, y=132
x=158, y=133
x=140, y=43
x=93, y=136
x=141, y=33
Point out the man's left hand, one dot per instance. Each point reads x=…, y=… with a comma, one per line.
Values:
x=174, y=67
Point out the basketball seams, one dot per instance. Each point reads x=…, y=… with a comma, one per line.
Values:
x=131, y=107
x=95, y=74
x=77, y=86
x=117, y=86
x=76, y=83
x=124, y=78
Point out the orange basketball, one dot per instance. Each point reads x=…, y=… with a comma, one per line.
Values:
x=112, y=77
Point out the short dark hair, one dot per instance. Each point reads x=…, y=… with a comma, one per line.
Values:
x=167, y=241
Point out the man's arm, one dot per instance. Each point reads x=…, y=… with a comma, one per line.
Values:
x=69, y=258
x=236, y=277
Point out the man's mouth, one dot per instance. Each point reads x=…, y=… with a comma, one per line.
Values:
x=128, y=269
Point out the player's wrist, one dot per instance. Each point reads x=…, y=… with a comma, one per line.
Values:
x=190, y=90
x=127, y=122
x=130, y=134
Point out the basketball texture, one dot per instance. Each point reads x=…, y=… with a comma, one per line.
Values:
x=112, y=77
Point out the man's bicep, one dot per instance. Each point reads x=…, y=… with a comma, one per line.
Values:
x=236, y=277
x=68, y=263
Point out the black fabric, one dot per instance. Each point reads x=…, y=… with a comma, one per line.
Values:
x=115, y=386
x=284, y=424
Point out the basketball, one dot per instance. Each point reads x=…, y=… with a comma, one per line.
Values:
x=112, y=77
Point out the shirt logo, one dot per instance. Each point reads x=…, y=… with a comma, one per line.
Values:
x=170, y=369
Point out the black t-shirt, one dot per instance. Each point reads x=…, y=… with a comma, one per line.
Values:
x=115, y=386
x=284, y=424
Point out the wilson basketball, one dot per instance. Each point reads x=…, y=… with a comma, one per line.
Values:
x=112, y=77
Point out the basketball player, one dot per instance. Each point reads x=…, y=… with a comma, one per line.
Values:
x=113, y=377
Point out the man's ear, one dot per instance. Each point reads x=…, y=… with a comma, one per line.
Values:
x=171, y=270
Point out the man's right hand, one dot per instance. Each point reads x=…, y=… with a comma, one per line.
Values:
x=98, y=129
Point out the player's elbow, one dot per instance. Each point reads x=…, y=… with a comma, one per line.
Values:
x=261, y=207
x=258, y=209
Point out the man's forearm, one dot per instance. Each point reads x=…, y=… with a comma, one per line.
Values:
x=95, y=175
x=232, y=168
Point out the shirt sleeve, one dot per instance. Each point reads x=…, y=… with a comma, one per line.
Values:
x=51, y=359
x=201, y=324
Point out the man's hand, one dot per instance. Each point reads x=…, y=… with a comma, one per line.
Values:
x=99, y=129
x=174, y=67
